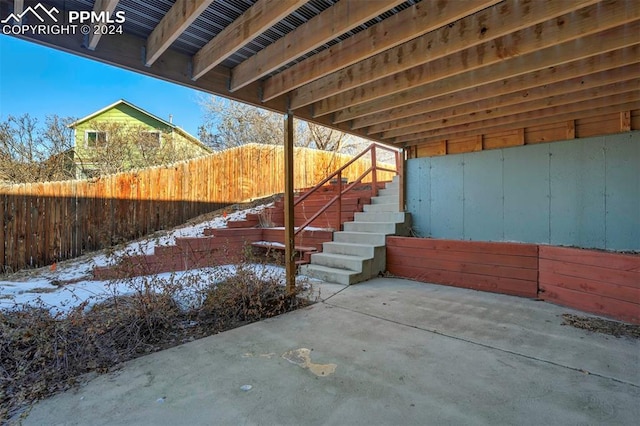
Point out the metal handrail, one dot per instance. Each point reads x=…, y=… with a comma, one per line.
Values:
x=338, y=197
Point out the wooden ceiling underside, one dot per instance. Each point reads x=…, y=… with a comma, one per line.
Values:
x=434, y=71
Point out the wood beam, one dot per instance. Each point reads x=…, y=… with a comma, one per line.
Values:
x=256, y=20
x=124, y=51
x=331, y=23
x=563, y=98
x=445, y=77
x=175, y=22
x=479, y=28
x=530, y=40
x=502, y=94
x=100, y=6
x=408, y=24
x=604, y=105
x=289, y=230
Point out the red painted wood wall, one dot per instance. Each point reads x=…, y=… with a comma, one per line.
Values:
x=509, y=268
x=593, y=281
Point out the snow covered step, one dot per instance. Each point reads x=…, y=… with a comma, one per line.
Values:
x=394, y=217
x=371, y=238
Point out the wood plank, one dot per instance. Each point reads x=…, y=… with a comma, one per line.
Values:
x=467, y=102
x=408, y=24
x=329, y=24
x=585, y=285
x=597, y=107
x=510, y=113
x=420, y=255
x=601, y=259
x=480, y=28
x=546, y=133
x=108, y=6
x=173, y=23
x=549, y=37
x=591, y=72
x=3, y=242
x=256, y=20
x=466, y=264
x=459, y=146
x=504, y=248
x=594, y=273
x=470, y=281
x=450, y=74
x=618, y=309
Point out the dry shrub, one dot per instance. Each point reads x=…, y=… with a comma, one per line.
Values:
x=42, y=353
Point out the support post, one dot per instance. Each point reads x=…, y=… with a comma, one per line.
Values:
x=400, y=165
x=289, y=231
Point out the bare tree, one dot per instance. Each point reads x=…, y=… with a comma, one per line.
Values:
x=229, y=124
x=30, y=153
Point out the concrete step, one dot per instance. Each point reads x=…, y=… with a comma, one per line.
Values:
x=384, y=199
x=331, y=275
x=352, y=249
x=386, y=228
x=339, y=261
x=374, y=239
x=394, y=217
x=387, y=191
x=391, y=207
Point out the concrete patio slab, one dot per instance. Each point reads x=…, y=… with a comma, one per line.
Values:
x=384, y=352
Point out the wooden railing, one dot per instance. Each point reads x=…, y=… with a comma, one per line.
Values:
x=372, y=151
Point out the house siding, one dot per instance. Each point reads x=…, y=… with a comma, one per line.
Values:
x=125, y=115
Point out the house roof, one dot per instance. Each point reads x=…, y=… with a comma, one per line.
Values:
x=408, y=73
x=115, y=104
x=177, y=129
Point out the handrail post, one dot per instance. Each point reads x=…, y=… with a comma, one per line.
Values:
x=339, y=215
x=374, y=175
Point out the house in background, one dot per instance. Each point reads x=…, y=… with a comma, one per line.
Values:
x=123, y=136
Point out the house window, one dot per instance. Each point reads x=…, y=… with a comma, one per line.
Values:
x=95, y=138
x=153, y=138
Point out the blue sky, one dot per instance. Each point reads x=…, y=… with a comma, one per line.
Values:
x=41, y=81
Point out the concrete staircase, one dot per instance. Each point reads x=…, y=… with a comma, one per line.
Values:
x=358, y=253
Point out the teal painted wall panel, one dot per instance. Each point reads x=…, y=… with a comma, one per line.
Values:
x=622, y=189
x=526, y=193
x=419, y=195
x=483, y=197
x=577, y=215
x=446, y=197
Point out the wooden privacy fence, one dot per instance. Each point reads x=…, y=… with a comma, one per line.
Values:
x=46, y=222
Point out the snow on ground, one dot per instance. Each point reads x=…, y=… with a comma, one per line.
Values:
x=70, y=283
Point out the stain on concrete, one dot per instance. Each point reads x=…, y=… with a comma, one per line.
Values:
x=302, y=358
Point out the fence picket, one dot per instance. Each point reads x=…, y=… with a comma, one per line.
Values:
x=46, y=222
